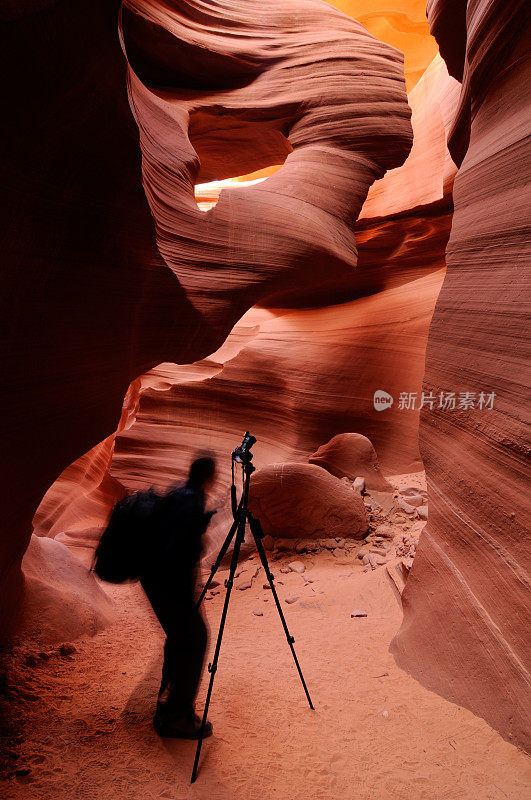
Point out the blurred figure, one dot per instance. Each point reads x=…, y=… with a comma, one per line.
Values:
x=168, y=577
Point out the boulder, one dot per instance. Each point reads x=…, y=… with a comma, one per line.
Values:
x=351, y=455
x=304, y=501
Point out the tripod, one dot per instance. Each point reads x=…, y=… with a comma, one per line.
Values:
x=241, y=515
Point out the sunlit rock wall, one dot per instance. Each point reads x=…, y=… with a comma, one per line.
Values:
x=467, y=601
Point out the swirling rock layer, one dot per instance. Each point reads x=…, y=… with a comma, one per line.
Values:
x=98, y=292
x=467, y=600
x=297, y=377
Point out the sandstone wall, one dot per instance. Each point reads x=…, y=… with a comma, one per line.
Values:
x=97, y=291
x=467, y=600
x=298, y=376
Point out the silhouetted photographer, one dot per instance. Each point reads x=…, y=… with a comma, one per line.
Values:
x=157, y=539
x=168, y=577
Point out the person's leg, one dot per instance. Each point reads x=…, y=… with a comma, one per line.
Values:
x=185, y=654
x=184, y=658
x=166, y=674
x=164, y=608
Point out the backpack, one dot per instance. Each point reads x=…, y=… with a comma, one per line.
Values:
x=118, y=556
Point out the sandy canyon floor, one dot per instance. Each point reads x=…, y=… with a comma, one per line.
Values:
x=83, y=719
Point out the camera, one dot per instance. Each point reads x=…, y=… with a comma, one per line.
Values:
x=242, y=454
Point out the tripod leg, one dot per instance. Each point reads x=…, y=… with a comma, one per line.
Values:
x=219, y=559
x=240, y=523
x=256, y=530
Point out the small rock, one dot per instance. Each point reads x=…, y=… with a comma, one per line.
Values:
x=406, y=507
x=385, y=531
x=359, y=484
x=378, y=550
x=372, y=562
x=362, y=552
x=266, y=586
x=341, y=542
x=415, y=500
x=330, y=544
x=385, y=714
x=292, y=599
x=366, y=560
x=268, y=542
x=338, y=552
x=244, y=584
x=311, y=545
x=297, y=566
x=67, y=649
x=258, y=612
x=422, y=511
x=358, y=613
x=285, y=570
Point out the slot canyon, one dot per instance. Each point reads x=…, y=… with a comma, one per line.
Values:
x=308, y=220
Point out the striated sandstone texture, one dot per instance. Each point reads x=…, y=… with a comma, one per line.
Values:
x=298, y=377
x=97, y=291
x=467, y=601
x=351, y=455
x=87, y=302
x=321, y=96
x=304, y=501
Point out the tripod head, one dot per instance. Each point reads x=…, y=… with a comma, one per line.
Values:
x=242, y=455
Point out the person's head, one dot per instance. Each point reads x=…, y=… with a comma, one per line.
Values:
x=202, y=472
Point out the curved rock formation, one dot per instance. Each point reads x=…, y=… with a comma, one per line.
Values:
x=467, y=600
x=323, y=96
x=310, y=373
x=351, y=455
x=304, y=501
x=89, y=302
x=64, y=600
